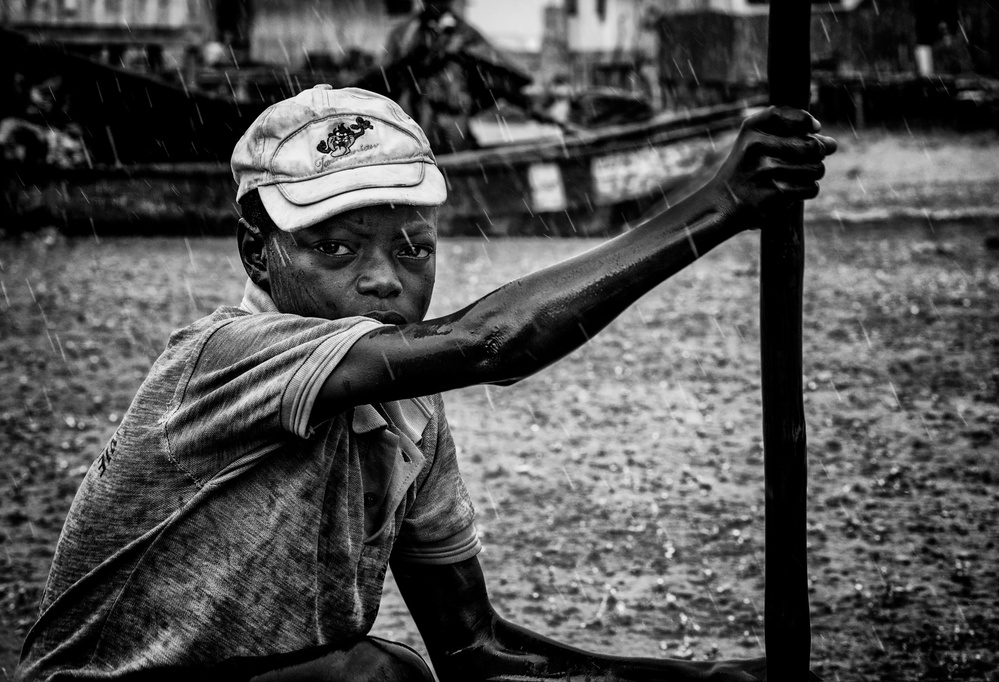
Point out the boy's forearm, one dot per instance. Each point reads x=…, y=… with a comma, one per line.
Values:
x=542, y=317
x=516, y=653
x=468, y=641
x=531, y=322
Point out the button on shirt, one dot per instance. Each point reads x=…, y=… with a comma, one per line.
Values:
x=218, y=523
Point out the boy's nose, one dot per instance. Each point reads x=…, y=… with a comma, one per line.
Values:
x=379, y=279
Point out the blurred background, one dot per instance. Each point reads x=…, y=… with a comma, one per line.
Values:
x=548, y=118
x=619, y=492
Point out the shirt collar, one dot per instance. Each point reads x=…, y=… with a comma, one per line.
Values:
x=410, y=417
x=256, y=300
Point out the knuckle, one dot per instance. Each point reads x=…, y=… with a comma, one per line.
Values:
x=760, y=118
x=799, y=121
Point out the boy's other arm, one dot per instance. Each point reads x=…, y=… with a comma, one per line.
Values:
x=468, y=641
x=534, y=321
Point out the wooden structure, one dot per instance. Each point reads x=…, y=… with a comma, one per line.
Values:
x=782, y=263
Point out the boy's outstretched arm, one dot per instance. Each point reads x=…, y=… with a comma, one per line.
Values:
x=536, y=320
x=468, y=641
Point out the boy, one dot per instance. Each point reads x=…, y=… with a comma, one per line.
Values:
x=280, y=455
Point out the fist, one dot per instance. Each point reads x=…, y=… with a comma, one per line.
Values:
x=776, y=160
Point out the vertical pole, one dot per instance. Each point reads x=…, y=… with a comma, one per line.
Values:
x=788, y=634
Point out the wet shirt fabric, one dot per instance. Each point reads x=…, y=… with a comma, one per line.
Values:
x=218, y=523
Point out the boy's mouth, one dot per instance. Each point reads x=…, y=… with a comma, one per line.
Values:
x=386, y=316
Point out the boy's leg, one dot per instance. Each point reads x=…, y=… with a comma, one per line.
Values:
x=369, y=659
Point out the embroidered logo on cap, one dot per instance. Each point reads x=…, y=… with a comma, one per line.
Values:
x=339, y=141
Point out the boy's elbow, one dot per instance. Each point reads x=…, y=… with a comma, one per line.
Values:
x=503, y=355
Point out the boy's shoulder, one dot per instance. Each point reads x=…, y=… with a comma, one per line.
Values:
x=238, y=325
x=206, y=325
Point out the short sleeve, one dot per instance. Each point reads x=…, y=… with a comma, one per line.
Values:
x=439, y=527
x=252, y=381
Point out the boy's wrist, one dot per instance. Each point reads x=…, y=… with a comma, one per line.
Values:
x=734, y=214
x=707, y=218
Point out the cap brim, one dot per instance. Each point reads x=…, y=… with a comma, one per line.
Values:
x=291, y=216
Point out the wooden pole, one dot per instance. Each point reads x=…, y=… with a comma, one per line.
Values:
x=787, y=629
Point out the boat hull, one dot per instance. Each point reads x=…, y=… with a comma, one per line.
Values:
x=594, y=183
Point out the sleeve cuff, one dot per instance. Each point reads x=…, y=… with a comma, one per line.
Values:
x=462, y=545
x=303, y=389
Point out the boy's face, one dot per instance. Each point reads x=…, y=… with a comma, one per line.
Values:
x=378, y=261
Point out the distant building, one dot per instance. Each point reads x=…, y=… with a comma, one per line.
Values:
x=712, y=50
x=610, y=42
x=169, y=34
x=590, y=43
x=141, y=34
x=298, y=34
x=553, y=63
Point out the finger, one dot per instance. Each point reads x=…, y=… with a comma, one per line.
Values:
x=803, y=172
x=829, y=145
x=800, y=181
x=796, y=191
x=796, y=150
x=808, y=149
x=790, y=171
x=799, y=121
x=785, y=121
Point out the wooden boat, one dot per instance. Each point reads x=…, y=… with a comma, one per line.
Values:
x=590, y=183
x=158, y=163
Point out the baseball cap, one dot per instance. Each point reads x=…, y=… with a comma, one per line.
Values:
x=327, y=150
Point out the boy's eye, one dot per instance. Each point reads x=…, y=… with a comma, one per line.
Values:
x=417, y=251
x=333, y=249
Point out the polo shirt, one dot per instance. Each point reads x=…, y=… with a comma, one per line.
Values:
x=218, y=522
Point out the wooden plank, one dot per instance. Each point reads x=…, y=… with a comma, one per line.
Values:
x=787, y=627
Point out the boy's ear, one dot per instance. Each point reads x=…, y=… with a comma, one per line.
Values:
x=253, y=253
